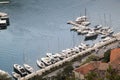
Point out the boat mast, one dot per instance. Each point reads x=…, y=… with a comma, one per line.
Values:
x=85, y=11
x=105, y=19
x=110, y=20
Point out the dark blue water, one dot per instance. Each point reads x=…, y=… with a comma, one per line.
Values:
x=39, y=26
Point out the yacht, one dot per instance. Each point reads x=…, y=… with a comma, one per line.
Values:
x=16, y=75
x=54, y=58
x=46, y=60
x=40, y=64
x=49, y=54
x=81, y=19
x=86, y=23
x=91, y=34
x=4, y=20
x=106, y=39
x=28, y=68
x=19, y=69
x=74, y=28
x=97, y=27
x=60, y=56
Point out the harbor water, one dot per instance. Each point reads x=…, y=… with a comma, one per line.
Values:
x=39, y=26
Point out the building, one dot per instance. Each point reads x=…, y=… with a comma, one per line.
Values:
x=99, y=66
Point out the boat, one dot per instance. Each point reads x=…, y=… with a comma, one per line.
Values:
x=16, y=75
x=106, y=39
x=81, y=19
x=85, y=23
x=91, y=35
x=74, y=28
x=40, y=64
x=97, y=27
x=53, y=58
x=59, y=56
x=46, y=60
x=49, y=54
x=4, y=20
x=19, y=69
x=28, y=68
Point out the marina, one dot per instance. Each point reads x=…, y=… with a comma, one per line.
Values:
x=115, y=38
x=49, y=32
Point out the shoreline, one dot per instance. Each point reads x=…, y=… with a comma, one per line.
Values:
x=41, y=71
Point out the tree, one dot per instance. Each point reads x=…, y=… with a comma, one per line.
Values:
x=107, y=56
x=112, y=74
x=91, y=76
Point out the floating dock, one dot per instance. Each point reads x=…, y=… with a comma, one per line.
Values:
x=4, y=2
x=116, y=37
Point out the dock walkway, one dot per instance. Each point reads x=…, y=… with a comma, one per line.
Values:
x=116, y=37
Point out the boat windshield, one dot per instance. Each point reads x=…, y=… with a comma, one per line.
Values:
x=22, y=70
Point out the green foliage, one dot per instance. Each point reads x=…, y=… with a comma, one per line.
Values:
x=112, y=74
x=107, y=56
x=91, y=76
x=91, y=58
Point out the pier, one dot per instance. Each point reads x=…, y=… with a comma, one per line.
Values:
x=73, y=23
x=116, y=37
x=4, y=2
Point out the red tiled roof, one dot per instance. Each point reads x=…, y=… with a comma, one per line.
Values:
x=84, y=69
x=114, y=60
x=103, y=66
x=115, y=53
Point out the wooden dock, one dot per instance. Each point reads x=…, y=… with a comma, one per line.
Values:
x=116, y=37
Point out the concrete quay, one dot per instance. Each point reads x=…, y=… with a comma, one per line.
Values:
x=116, y=38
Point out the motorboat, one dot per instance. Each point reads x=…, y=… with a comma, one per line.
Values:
x=106, y=39
x=81, y=19
x=74, y=28
x=54, y=58
x=20, y=69
x=16, y=75
x=4, y=20
x=49, y=54
x=46, y=60
x=97, y=27
x=85, y=23
x=28, y=68
x=91, y=34
x=40, y=64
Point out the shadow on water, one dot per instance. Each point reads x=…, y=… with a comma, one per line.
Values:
x=91, y=38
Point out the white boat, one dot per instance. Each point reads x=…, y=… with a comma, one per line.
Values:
x=40, y=64
x=97, y=27
x=19, y=69
x=91, y=34
x=85, y=23
x=60, y=56
x=16, y=75
x=28, y=68
x=54, y=58
x=46, y=60
x=49, y=54
x=81, y=19
x=106, y=39
x=84, y=31
x=4, y=20
x=74, y=28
